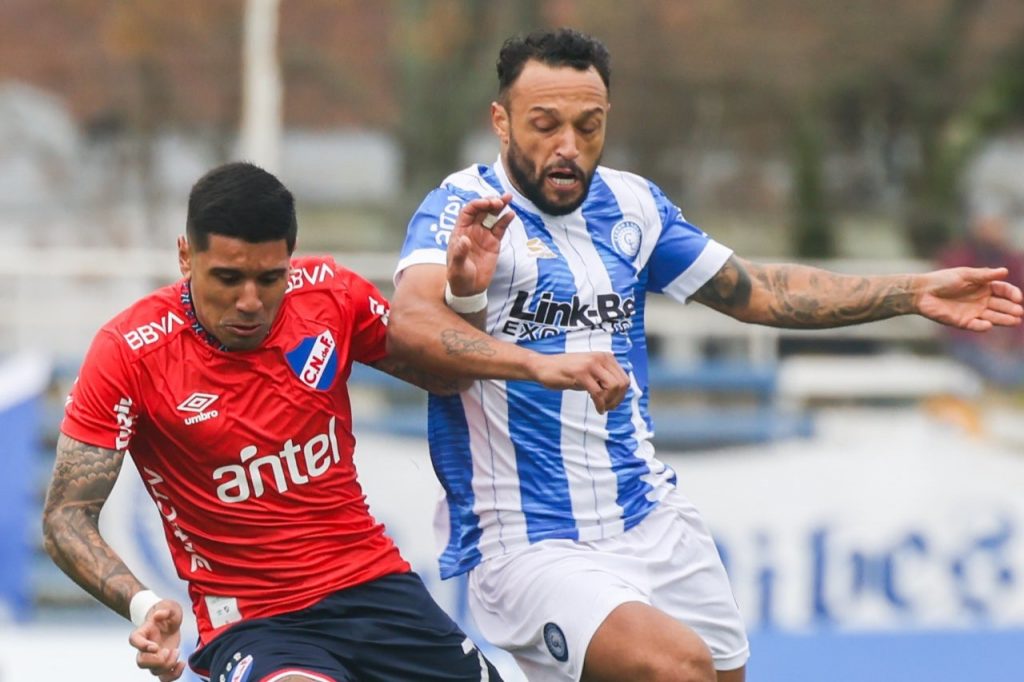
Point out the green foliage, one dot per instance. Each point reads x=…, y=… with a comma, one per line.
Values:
x=813, y=233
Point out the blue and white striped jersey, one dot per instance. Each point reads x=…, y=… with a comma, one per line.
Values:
x=520, y=463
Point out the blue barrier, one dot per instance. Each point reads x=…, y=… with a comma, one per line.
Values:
x=22, y=381
x=935, y=656
x=715, y=376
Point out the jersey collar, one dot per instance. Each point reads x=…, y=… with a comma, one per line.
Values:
x=190, y=313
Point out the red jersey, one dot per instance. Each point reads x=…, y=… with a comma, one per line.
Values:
x=248, y=454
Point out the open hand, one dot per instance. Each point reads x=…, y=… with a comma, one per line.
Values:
x=971, y=298
x=473, y=247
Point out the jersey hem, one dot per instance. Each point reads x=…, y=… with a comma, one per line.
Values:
x=463, y=563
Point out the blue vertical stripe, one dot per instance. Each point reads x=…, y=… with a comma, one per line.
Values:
x=534, y=416
x=448, y=435
x=602, y=211
x=638, y=351
x=535, y=413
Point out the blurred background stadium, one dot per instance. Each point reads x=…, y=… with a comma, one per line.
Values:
x=864, y=484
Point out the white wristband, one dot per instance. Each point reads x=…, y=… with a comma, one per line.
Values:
x=140, y=605
x=465, y=305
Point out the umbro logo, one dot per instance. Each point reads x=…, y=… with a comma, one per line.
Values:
x=198, y=402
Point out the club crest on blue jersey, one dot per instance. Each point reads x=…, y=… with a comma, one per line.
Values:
x=555, y=639
x=626, y=236
x=315, y=360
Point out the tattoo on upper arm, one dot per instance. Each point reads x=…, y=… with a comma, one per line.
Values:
x=83, y=476
x=459, y=343
x=728, y=289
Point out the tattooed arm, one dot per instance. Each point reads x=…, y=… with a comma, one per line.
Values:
x=427, y=335
x=798, y=296
x=83, y=476
x=439, y=385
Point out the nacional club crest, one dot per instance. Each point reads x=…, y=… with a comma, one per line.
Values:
x=315, y=360
x=242, y=668
x=626, y=237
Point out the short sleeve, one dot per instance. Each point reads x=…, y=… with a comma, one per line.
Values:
x=426, y=240
x=102, y=408
x=684, y=257
x=369, y=310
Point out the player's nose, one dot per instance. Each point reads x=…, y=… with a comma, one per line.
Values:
x=249, y=301
x=568, y=146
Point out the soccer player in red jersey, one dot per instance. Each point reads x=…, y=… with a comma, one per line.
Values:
x=228, y=387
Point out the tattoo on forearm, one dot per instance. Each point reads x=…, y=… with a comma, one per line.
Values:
x=803, y=297
x=458, y=343
x=83, y=477
x=811, y=298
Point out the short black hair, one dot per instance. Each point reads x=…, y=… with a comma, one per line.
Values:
x=554, y=47
x=243, y=201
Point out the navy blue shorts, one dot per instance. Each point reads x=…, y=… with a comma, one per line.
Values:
x=387, y=630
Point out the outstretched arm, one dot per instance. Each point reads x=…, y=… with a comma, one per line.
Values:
x=798, y=296
x=83, y=476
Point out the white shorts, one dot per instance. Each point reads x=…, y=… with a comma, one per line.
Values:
x=544, y=603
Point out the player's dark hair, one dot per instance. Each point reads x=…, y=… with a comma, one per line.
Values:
x=553, y=47
x=243, y=201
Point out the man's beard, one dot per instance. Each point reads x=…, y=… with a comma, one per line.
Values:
x=532, y=186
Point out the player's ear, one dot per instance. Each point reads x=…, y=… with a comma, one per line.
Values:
x=184, y=257
x=500, y=122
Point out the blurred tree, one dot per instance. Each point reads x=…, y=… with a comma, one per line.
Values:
x=929, y=106
x=654, y=107
x=934, y=105
x=153, y=57
x=707, y=96
x=999, y=105
x=813, y=233
x=445, y=52
x=335, y=58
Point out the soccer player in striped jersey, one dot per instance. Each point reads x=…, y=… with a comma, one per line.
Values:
x=530, y=274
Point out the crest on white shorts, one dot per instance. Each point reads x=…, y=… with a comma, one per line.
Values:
x=555, y=639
